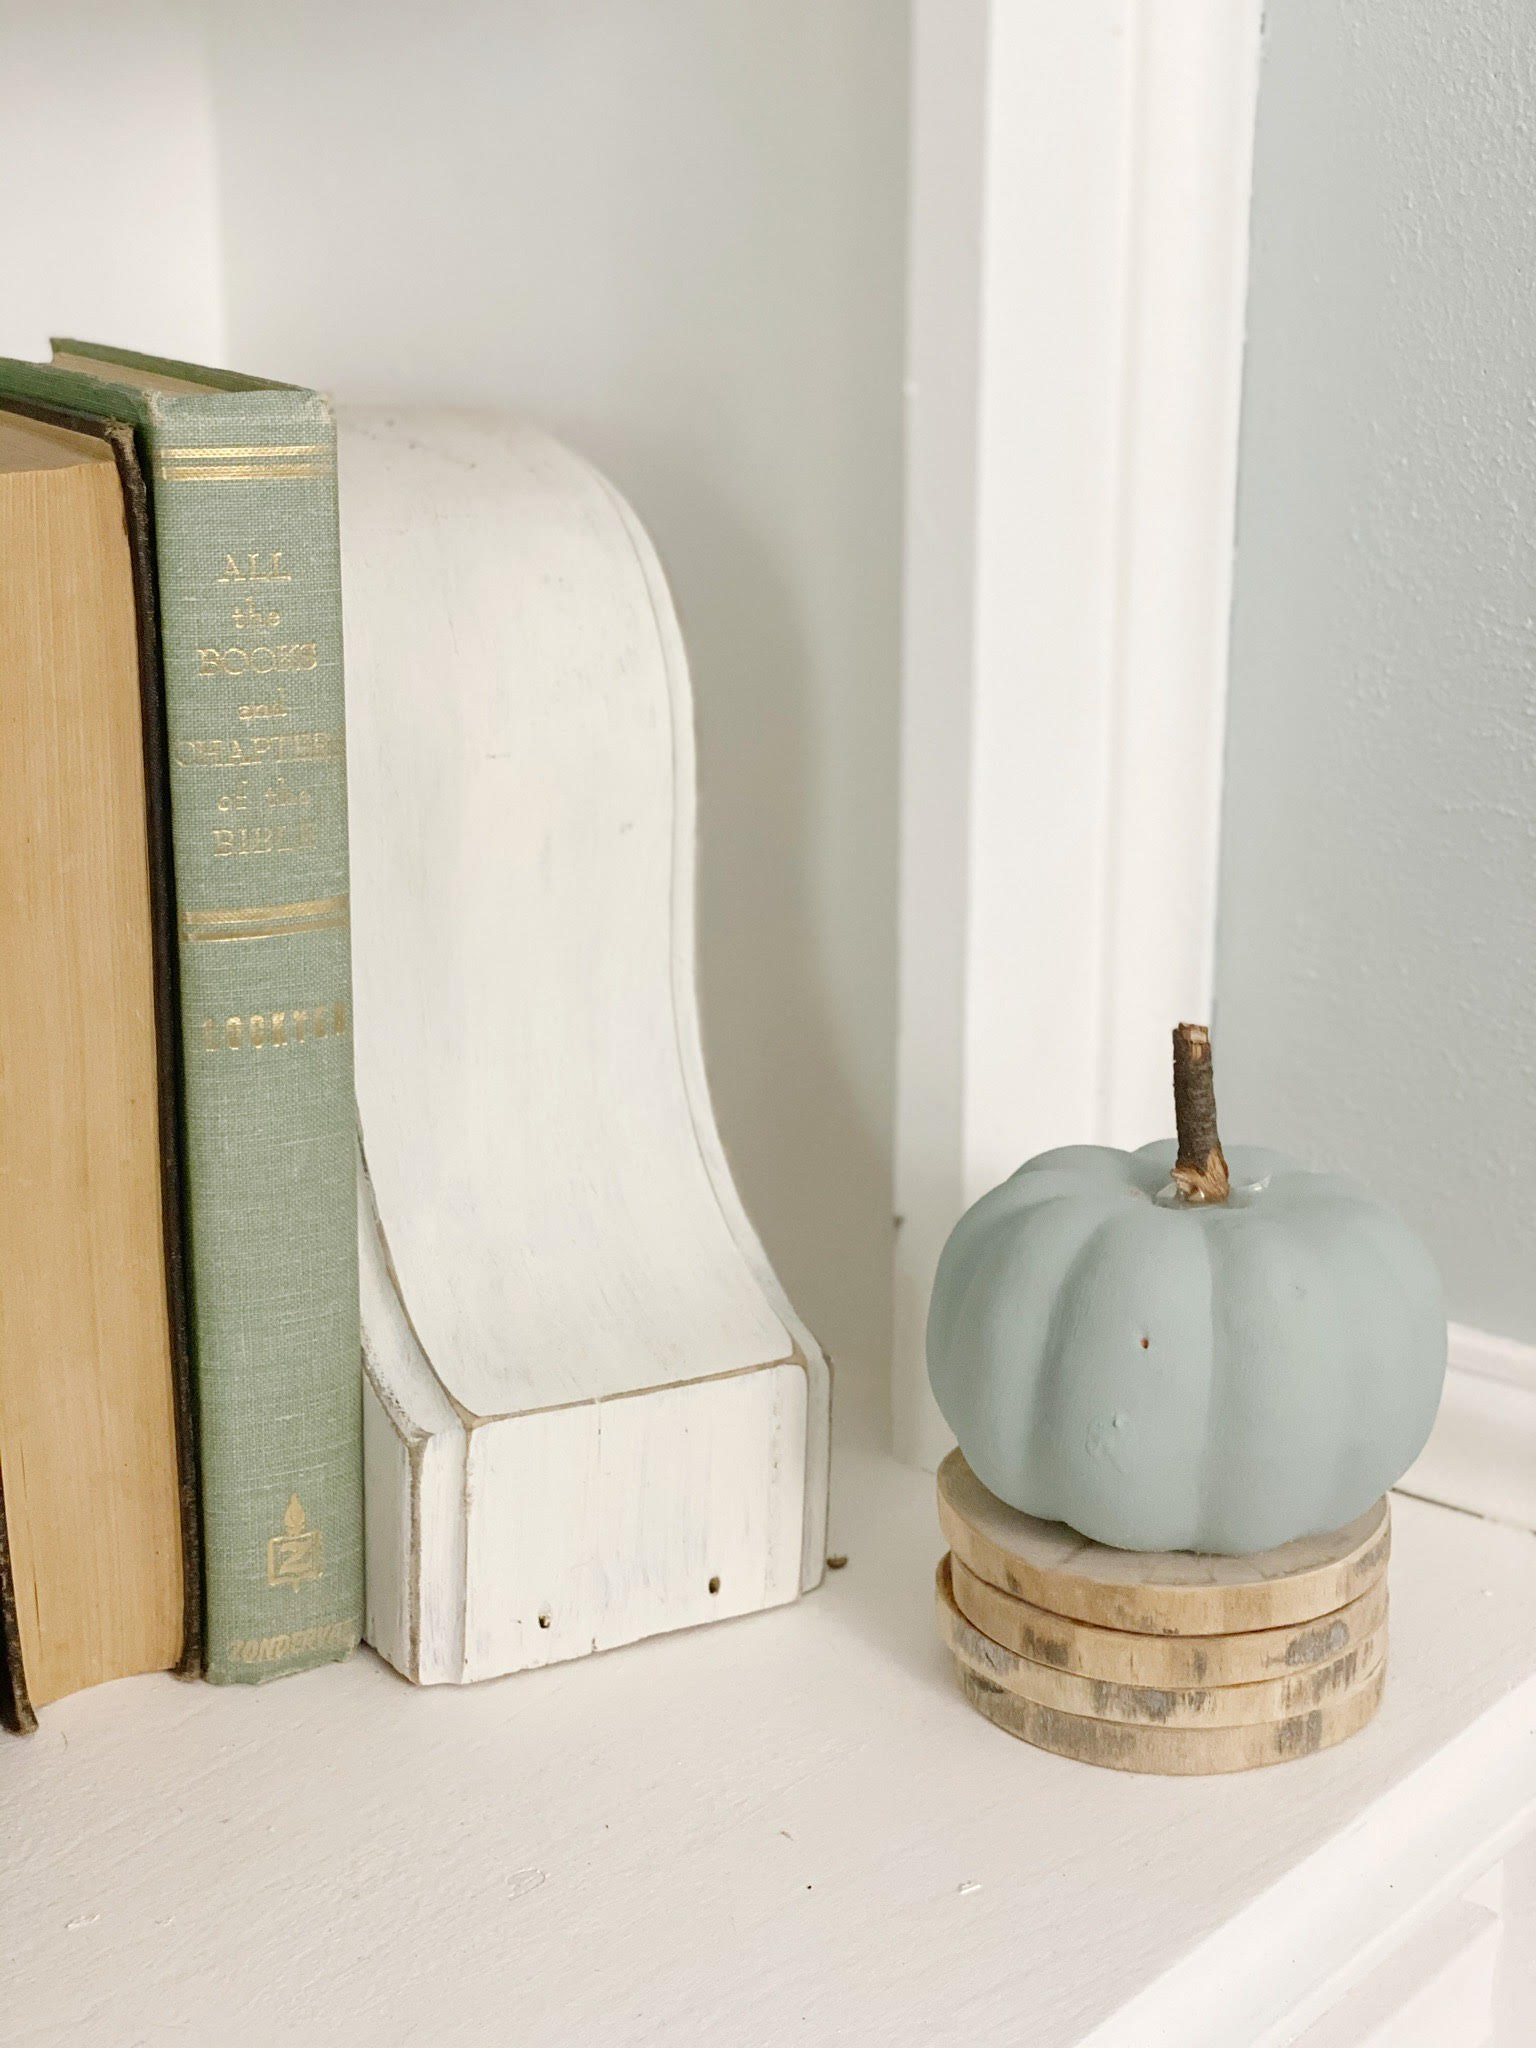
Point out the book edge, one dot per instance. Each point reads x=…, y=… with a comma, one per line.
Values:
x=165, y=366
x=138, y=519
x=15, y=1703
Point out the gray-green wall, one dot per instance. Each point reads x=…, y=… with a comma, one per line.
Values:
x=1376, y=958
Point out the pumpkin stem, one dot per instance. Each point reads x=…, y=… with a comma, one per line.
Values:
x=1200, y=1172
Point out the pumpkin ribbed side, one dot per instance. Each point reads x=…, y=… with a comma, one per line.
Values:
x=1220, y=1378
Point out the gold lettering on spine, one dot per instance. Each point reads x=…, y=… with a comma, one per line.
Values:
x=329, y=1635
x=275, y=707
x=265, y=839
x=263, y=1028
x=298, y=657
x=267, y=653
x=259, y=567
x=246, y=749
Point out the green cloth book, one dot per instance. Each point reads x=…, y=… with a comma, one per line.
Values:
x=243, y=477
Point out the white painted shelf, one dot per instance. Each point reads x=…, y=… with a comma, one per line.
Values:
x=789, y=1827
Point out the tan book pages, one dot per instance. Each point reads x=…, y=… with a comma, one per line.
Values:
x=87, y=1420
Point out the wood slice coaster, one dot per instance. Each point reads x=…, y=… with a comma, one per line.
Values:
x=1172, y=1752
x=1158, y=1593
x=1124, y=1658
x=1097, y=1699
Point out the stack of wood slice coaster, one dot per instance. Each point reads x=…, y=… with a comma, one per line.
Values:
x=1169, y=1662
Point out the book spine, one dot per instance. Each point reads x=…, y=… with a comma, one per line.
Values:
x=250, y=608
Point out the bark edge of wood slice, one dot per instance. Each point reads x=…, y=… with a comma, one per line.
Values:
x=1173, y=1752
x=1125, y=1658
x=1187, y=1707
x=1157, y=1593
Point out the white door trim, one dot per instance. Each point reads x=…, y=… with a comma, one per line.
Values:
x=1078, y=274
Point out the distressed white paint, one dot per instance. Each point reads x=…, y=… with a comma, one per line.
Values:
x=589, y=1396
x=594, y=1525
x=1482, y=1454
x=1079, y=216
x=414, y=1455
x=791, y=1828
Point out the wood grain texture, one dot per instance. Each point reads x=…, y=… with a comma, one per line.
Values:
x=1099, y=1699
x=87, y=1418
x=1157, y=1592
x=1125, y=1658
x=568, y=1320
x=1172, y=1752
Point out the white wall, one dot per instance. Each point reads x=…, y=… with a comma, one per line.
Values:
x=674, y=233
x=109, y=223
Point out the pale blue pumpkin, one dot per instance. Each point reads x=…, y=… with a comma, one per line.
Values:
x=1168, y=1376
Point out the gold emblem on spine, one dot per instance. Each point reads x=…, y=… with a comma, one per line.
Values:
x=298, y=1555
